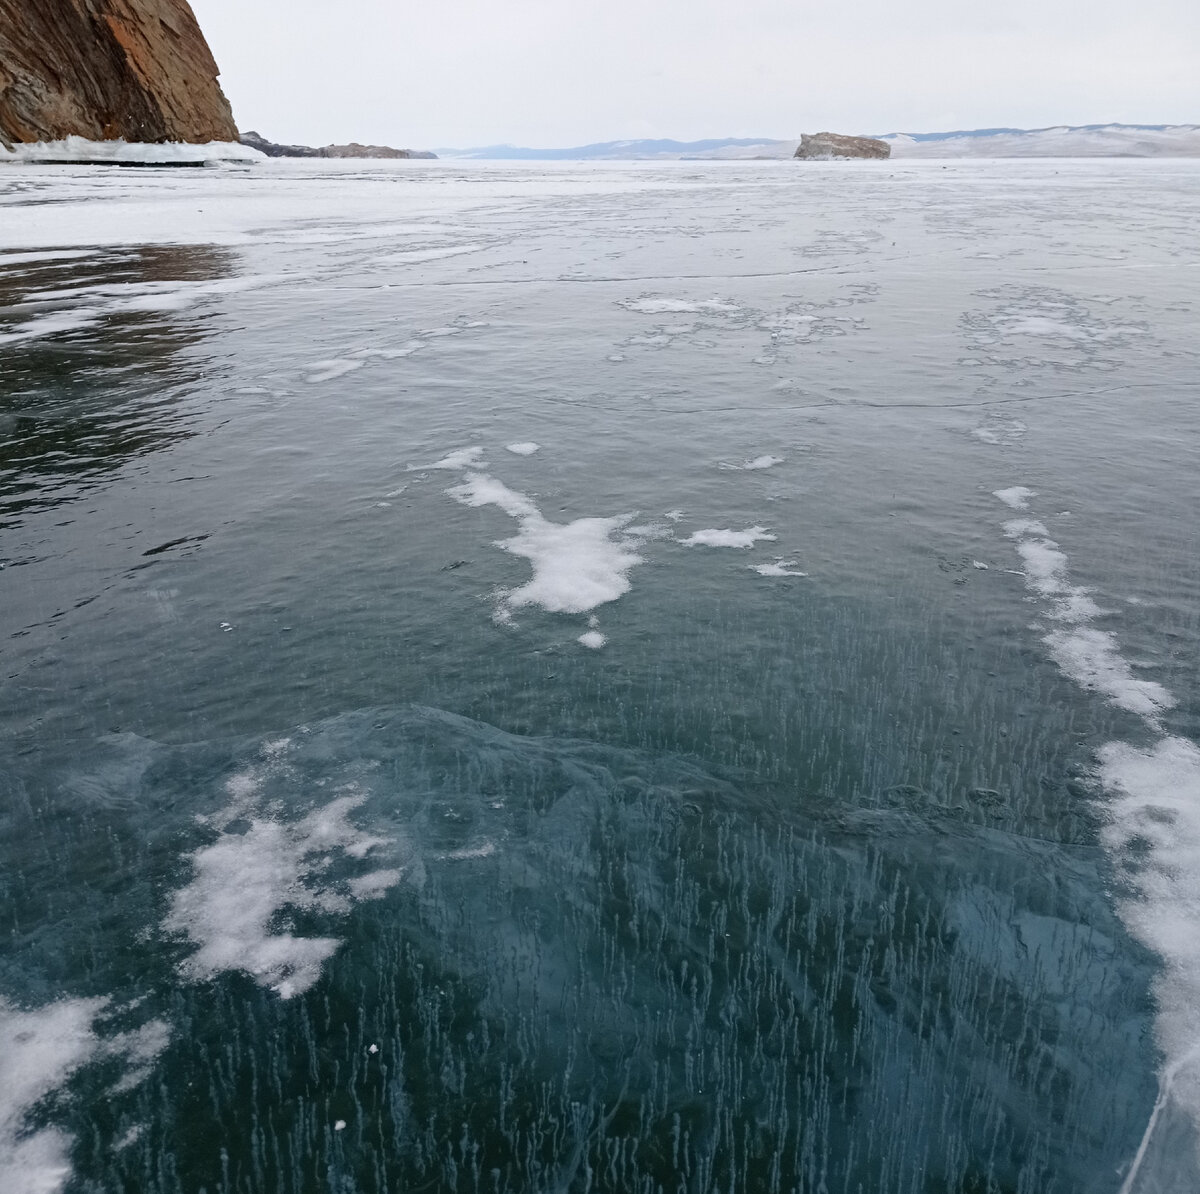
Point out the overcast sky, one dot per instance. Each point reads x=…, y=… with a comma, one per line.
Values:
x=566, y=72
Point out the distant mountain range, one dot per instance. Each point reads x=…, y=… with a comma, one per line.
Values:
x=1087, y=140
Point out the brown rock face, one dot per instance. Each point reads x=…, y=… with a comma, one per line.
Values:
x=825, y=146
x=103, y=69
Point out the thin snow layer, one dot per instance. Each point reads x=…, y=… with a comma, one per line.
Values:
x=1087, y=655
x=1153, y=815
x=523, y=449
x=760, y=462
x=258, y=867
x=712, y=537
x=593, y=639
x=172, y=153
x=577, y=566
x=39, y=1052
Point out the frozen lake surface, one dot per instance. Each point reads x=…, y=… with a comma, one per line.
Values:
x=670, y=677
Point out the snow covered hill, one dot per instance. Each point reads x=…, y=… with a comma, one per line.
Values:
x=1080, y=141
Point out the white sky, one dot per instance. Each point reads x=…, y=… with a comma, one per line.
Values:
x=566, y=72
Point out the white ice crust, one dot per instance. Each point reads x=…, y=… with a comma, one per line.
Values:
x=171, y=153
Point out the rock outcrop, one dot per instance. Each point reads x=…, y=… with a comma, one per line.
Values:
x=831, y=146
x=274, y=150
x=106, y=69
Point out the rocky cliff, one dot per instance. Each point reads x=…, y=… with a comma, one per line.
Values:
x=102, y=69
x=828, y=146
x=354, y=150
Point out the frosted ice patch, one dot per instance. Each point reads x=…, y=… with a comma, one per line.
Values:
x=522, y=449
x=759, y=462
x=332, y=369
x=593, y=639
x=1017, y=497
x=577, y=566
x=468, y=853
x=40, y=1051
x=712, y=537
x=374, y=885
x=244, y=880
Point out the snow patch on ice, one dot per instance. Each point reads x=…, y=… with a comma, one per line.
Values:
x=1089, y=656
x=40, y=1050
x=1153, y=816
x=1017, y=497
x=593, y=639
x=577, y=566
x=464, y=458
x=1154, y=833
x=779, y=568
x=713, y=537
x=522, y=449
x=244, y=880
x=759, y=462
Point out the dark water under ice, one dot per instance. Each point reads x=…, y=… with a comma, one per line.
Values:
x=660, y=678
